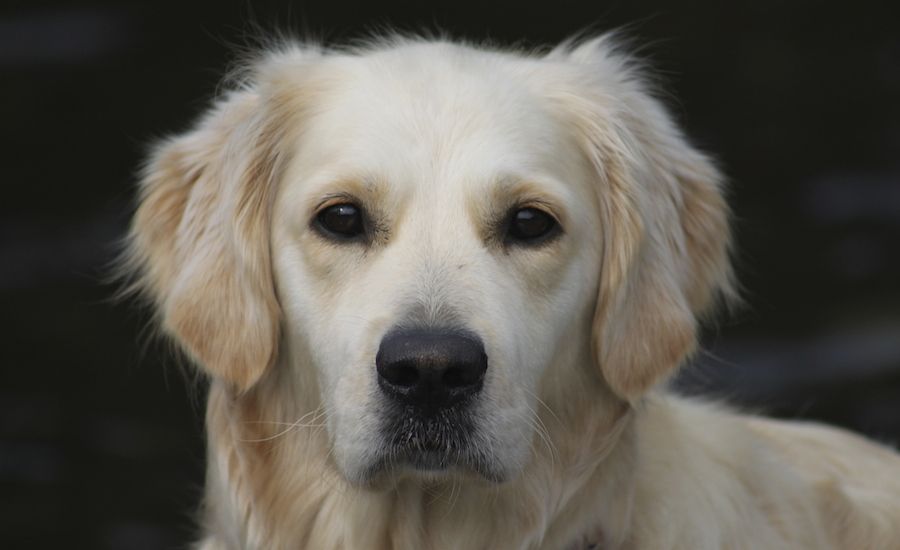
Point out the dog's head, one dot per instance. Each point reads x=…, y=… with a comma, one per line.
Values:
x=433, y=241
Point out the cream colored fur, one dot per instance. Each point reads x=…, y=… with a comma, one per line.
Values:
x=438, y=140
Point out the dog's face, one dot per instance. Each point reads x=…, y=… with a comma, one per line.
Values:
x=431, y=253
x=430, y=235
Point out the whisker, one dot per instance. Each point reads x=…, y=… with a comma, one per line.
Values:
x=543, y=404
x=315, y=413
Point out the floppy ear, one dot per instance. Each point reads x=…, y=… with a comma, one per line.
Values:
x=199, y=242
x=664, y=221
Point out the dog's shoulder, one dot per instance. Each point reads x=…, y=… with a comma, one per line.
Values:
x=856, y=482
x=704, y=460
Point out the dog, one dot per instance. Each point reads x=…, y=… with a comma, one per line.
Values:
x=438, y=289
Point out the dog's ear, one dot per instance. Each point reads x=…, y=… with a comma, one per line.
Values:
x=664, y=219
x=199, y=242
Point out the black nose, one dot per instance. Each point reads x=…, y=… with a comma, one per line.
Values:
x=430, y=369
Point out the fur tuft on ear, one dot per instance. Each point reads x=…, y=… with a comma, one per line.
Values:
x=199, y=242
x=666, y=233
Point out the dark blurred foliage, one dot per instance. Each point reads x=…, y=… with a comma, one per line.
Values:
x=101, y=443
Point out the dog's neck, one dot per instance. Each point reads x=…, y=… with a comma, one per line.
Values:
x=269, y=475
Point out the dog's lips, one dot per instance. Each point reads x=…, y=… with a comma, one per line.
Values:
x=423, y=450
x=429, y=460
x=435, y=444
x=447, y=434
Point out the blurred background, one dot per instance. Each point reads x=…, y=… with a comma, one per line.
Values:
x=101, y=437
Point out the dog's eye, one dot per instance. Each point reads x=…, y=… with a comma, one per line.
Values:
x=342, y=220
x=531, y=226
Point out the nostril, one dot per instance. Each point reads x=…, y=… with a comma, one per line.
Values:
x=462, y=376
x=404, y=375
x=454, y=377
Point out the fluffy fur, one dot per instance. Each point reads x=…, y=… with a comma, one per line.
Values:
x=579, y=445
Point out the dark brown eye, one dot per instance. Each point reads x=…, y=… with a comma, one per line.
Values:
x=531, y=226
x=341, y=220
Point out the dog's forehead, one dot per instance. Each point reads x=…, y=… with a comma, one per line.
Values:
x=435, y=115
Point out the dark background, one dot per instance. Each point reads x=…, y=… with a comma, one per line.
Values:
x=101, y=439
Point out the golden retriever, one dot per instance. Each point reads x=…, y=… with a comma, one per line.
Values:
x=438, y=288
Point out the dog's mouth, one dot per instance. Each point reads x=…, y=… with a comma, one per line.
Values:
x=440, y=444
x=427, y=461
x=430, y=442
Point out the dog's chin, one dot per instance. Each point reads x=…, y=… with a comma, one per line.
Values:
x=428, y=466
